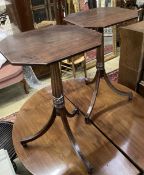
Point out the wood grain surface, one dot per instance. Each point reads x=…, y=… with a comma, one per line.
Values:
x=131, y=62
x=121, y=120
x=52, y=153
x=47, y=45
x=101, y=17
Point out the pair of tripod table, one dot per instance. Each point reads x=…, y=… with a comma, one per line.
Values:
x=38, y=136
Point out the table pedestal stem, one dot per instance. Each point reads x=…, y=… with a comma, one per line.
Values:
x=60, y=110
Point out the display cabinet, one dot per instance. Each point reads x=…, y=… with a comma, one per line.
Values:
x=20, y=14
x=44, y=10
x=26, y=13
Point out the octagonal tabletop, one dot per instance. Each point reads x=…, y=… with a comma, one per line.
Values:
x=48, y=45
x=101, y=17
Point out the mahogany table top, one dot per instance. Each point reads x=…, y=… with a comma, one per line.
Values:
x=48, y=45
x=52, y=153
x=101, y=17
x=121, y=120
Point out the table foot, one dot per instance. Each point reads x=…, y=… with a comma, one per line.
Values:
x=88, y=120
x=73, y=113
x=75, y=146
x=42, y=131
x=119, y=92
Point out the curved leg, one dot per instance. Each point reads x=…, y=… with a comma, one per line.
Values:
x=73, y=113
x=75, y=146
x=93, y=100
x=25, y=86
x=99, y=64
x=42, y=131
x=129, y=94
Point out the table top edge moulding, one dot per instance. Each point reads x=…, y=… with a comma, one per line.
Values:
x=48, y=45
x=101, y=17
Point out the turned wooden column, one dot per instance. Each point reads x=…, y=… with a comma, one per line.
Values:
x=56, y=84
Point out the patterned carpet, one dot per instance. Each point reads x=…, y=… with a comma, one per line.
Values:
x=113, y=76
x=90, y=55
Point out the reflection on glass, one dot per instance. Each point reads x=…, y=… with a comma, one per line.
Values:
x=39, y=15
x=37, y=2
x=52, y=13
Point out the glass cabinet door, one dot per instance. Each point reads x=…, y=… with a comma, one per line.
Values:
x=46, y=10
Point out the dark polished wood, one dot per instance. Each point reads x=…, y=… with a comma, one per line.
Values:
x=48, y=45
x=119, y=119
x=82, y=101
x=52, y=153
x=98, y=19
x=101, y=17
x=20, y=14
x=51, y=45
x=131, y=55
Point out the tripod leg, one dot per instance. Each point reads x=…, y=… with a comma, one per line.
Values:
x=129, y=94
x=42, y=131
x=74, y=144
x=93, y=100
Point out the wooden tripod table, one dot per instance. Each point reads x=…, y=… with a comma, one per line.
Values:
x=98, y=19
x=49, y=46
x=52, y=153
